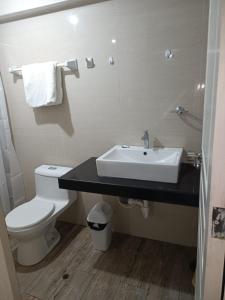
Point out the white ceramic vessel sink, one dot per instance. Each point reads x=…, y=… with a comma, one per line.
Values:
x=154, y=164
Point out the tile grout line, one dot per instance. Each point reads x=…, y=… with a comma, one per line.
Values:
x=35, y=298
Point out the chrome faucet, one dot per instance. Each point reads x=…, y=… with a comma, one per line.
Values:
x=195, y=158
x=145, y=138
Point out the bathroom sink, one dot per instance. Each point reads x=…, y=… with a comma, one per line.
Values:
x=154, y=164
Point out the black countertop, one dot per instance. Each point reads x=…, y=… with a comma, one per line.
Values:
x=85, y=178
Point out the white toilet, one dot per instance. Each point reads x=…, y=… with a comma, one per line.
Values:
x=33, y=223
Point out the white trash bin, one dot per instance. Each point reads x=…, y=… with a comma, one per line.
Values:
x=100, y=224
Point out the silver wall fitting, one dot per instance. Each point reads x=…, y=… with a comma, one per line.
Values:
x=180, y=110
x=195, y=158
x=90, y=62
x=111, y=60
x=198, y=161
x=169, y=54
x=72, y=64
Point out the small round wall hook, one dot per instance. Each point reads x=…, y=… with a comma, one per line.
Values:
x=90, y=62
x=111, y=60
x=180, y=110
x=169, y=54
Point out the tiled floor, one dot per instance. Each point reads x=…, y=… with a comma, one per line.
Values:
x=133, y=268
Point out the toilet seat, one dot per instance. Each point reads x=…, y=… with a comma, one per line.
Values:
x=29, y=214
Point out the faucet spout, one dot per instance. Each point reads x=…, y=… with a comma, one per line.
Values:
x=145, y=138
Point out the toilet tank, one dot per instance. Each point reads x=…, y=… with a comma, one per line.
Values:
x=46, y=182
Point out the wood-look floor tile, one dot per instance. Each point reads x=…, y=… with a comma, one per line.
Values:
x=112, y=268
x=27, y=275
x=51, y=279
x=169, y=284
x=75, y=287
x=29, y=297
x=133, y=268
x=131, y=293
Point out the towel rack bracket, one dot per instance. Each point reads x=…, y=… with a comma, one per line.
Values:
x=14, y=69
x=72, y=64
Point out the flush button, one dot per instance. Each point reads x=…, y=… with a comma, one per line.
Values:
x=52, y=168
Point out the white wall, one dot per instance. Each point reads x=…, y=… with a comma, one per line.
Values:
x=12, y=6
x=111, y=105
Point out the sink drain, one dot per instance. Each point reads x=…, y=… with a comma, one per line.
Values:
x=65, y=276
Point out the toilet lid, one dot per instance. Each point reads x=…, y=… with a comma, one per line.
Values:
x=29, y=214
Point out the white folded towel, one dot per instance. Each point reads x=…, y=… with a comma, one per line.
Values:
x=42, y=84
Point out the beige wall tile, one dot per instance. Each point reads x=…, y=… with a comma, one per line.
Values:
x=111, y=105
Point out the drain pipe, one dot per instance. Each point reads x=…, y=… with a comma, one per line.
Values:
x=129, y=203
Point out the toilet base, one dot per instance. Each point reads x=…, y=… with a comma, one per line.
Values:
x=32, y=251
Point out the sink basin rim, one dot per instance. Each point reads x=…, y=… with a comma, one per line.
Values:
x=149, y=163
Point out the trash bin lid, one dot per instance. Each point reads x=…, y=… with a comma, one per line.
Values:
x=101, y=213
